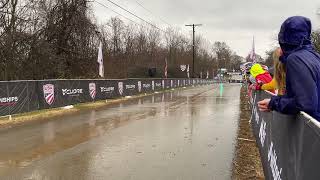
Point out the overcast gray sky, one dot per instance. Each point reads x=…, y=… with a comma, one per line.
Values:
x=232, y=21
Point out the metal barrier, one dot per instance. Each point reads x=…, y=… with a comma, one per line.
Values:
x=288, y=145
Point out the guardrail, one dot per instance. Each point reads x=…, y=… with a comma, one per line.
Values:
x=25, y=96
x=289, y=145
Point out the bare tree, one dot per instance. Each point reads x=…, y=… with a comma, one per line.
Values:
x=316, y=40
x=46, y=39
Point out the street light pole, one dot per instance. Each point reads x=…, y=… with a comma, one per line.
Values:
x=193, y=45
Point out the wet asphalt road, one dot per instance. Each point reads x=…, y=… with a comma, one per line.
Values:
x=181, y=135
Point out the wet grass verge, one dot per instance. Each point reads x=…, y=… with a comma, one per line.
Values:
x=51, y=114
x=247, y=162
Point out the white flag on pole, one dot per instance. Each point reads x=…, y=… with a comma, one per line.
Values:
x=100, y=61
x=166, y=68
x=188, y=70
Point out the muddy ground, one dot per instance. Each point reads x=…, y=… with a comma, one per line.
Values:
x=247, y=162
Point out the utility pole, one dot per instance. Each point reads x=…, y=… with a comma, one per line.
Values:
x=193, y=45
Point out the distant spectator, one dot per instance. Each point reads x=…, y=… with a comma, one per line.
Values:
x=278, y=81
x=252, y=80
x=271, y=71
x=302, y=71
x=261, y=76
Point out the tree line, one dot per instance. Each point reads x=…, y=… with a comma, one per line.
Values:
x=55, y=39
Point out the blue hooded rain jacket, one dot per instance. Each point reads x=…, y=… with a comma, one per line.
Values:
x=303, y=70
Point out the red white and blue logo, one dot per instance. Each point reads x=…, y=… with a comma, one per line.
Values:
x=120, y=87
x=139, y=86
x=92, y=90
x=48, y=92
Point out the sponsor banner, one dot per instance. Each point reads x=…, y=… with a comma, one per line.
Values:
x=24, y=96
x=146, y=86
x=130, y=87
x=106, y=89
x=92, y=90
x=158, y=86
x=17, y=97
x=288, y=144
x=4, y=109
x=59, y=93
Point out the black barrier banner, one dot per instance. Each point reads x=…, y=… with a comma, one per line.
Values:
x=4, y=99
x=24, y=96
x=288, y=145
x=158, y=84
x=174, y=83
x=188, y=82
x=61, y=93
x=130, y=87
x=17, y=97
x=145, y=86
x=106, y=89
x=167, y=83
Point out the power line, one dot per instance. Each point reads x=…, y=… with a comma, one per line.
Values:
x=103, y=5
x=135, y=15
x=152, y=13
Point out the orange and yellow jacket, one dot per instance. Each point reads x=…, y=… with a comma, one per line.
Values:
x=272, y=86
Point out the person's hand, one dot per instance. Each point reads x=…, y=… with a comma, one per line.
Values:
x=264, y=105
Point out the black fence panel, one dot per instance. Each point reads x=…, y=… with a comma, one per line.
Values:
x=159, y=84
x=106, y=89
x=167, y=84
x=130, y=87
x=17, y=97
x=288, y=145
x=24, y=96
x=145, y=86
x=33, y=93
x=4, y=98
x=59, y=93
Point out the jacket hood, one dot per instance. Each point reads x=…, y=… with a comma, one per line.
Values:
x=256, y=70
x=295, y=34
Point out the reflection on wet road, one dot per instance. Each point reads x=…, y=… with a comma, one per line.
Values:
x=184, y=134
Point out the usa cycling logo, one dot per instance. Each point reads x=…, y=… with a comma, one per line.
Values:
x=48, y=92
x=120, y=87
x=139, y=86
x=92, y=90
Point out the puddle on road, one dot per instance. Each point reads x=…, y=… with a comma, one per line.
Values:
x=176, y=135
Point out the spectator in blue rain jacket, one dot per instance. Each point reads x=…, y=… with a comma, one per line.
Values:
x=302, y=71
